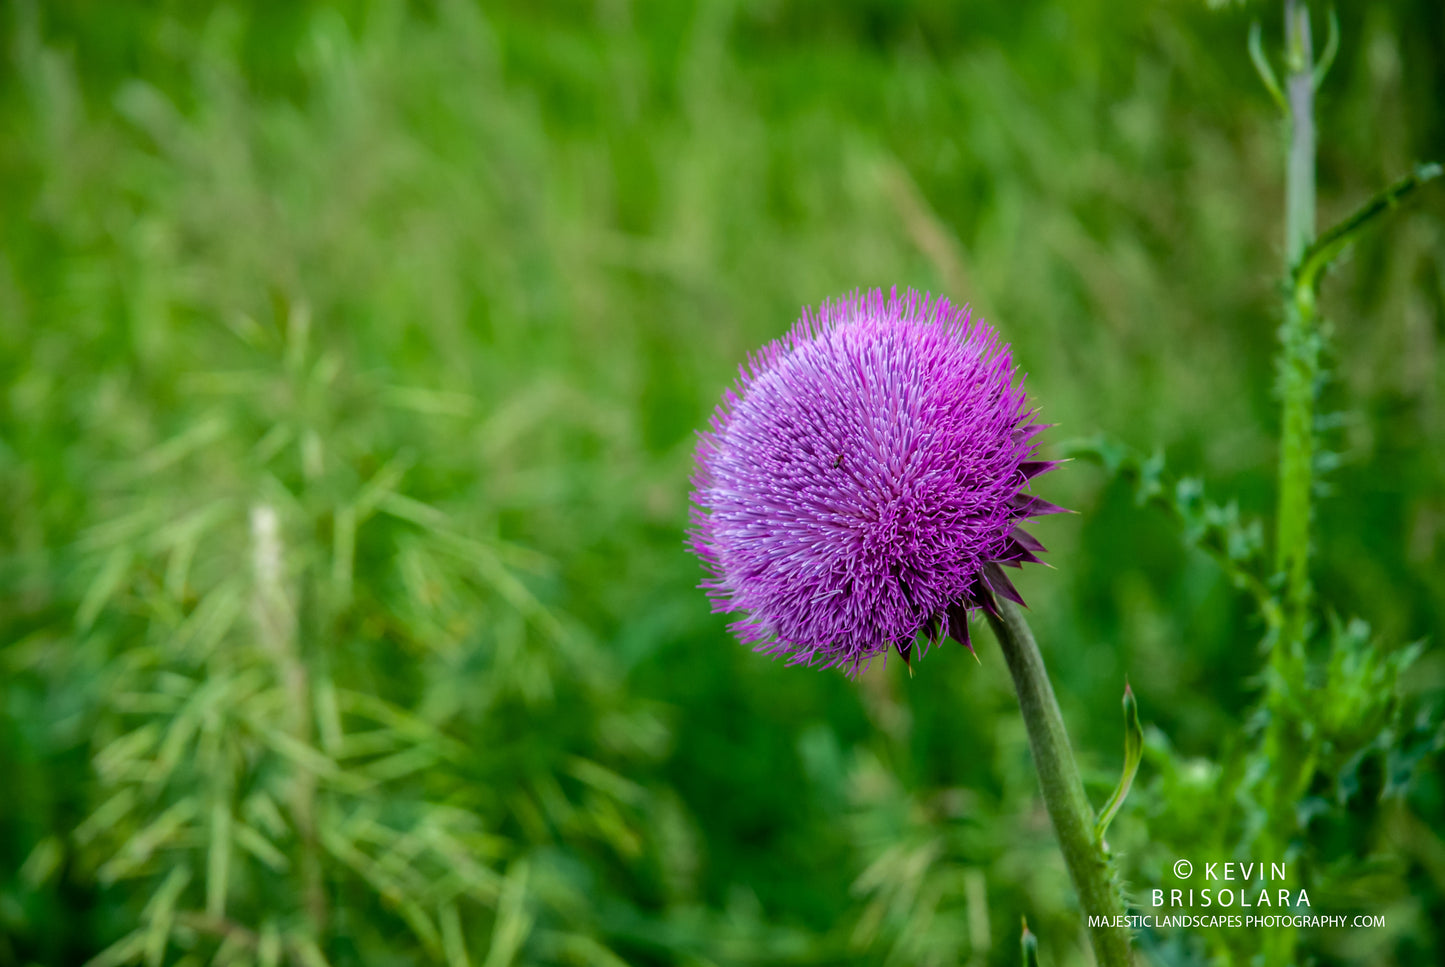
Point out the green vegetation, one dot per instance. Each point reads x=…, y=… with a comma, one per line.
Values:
x=350, y=358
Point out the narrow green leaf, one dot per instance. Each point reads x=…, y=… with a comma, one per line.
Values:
x=432, y=402
x=514, y=922
x=268, y=950
x=453, y=940
x=180, y=446
x=1332, y=48
x=343, y=551
x=307, y=952
x=420, y=924
x=259, y=846
x=328, y=717
x=1133, y=752
x=42, y=862
x=606, y=781
x=1266, y=73
x=191, y=526
x=370, y=743
x=232, y=950
x=125, y=529
x=582, y=949
x=413, y=511
x=390, y=881
x=140, y=847
x=124, y=951
x=212, y=618
x=106, y=816
x=382, y=485
x=161, y=912
x=365, y=705
x=300, y=753
x=1336, y=239
x=261, y=810
x=103, y=588
x=1030, y=945
x=218, y=858
x=124, y=752
x=272, y=443
x=177, y=737
x=403, y=763
x=178, y=566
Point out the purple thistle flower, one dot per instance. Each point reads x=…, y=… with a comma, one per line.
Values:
x=865, y=479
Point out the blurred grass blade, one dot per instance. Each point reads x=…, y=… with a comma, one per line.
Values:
x=343, y=551
x=514, y=923
x=42, y=862
x=103, y=588
x=1133, y=752
x=1030, y=945
x=161, y=912
x=308, y=954
x=328, y=717
x=268, y=948
x=453, y=941
x=208, y=430
x=259, y=846
x=218, y=857
x=123, y=951
x=140, y=847
x=107, y=815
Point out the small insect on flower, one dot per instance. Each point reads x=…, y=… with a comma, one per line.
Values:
x=922, y=408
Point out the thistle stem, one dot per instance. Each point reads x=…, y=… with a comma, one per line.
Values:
x=1064, y=796
x=1300, y=349
x=1299, y=368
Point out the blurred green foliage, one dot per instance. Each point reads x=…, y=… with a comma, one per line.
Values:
x=351, y=361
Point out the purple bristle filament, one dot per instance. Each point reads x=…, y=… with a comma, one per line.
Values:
x=864, y=479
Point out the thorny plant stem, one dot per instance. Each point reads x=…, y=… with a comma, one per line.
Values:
x=276, y=623
x=1299, y=368
x=1064, y=796
x=1300, y=350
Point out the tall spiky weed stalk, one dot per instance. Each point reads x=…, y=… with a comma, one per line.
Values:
x=1301, y=344
x=1329, y=701
x=1287, y=743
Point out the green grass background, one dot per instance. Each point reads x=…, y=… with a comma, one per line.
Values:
x=497, y=263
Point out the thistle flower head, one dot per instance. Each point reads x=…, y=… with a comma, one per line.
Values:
x=864, y=480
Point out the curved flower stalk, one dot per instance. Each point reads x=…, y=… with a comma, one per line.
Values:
x=861, y=488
